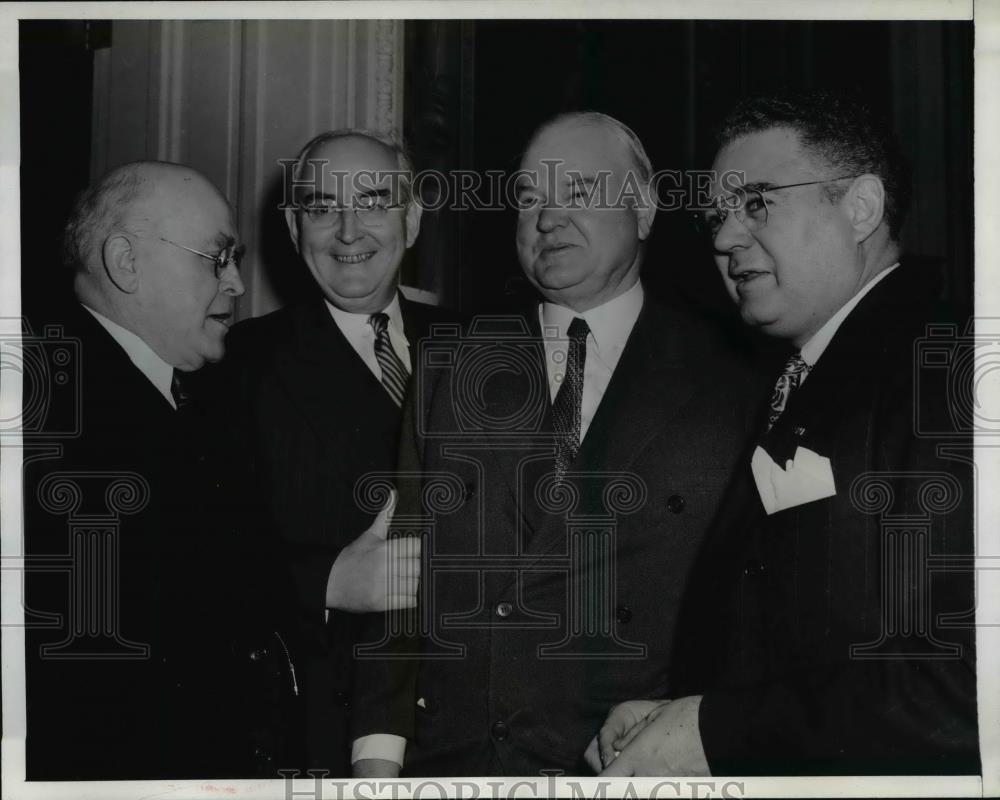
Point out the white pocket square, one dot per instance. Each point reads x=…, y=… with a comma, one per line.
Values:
x=806, y=477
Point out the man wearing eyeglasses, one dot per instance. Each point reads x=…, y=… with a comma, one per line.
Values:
x=828, y=628
x=322, y=384
x=167, y=654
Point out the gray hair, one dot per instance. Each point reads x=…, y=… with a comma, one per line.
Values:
x=403, y=162
x=101, y=208
x=628, y=138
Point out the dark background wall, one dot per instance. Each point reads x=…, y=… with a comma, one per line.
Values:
x=475, y=90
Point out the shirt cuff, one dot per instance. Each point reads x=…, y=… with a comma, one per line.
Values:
x=386, y=746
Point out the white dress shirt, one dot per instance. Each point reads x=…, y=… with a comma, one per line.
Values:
x=157, y=371
x=816, y=346
x=359, y=332
x=610, y=325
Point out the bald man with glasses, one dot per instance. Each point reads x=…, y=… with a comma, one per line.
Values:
x=157, y=642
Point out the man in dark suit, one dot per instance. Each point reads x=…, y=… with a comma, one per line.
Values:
x=829, y=627
x=319, y=387
x=572, y=458
x=154, y=645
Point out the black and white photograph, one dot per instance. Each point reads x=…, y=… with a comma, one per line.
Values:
x=497, y=400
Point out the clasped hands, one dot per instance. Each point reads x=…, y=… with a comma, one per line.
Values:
x=375, y=573
x=650, y=737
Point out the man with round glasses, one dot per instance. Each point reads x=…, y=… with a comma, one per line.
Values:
x=828, y=627
x=165, y=653
x=322, y=385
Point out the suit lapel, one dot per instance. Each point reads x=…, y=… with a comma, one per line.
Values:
x=326, y=377
x=649, y=386
x=522, y=459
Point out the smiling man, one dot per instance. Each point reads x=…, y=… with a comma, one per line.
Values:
x=828, y=628
x=163, y=652
x=602, y=427
x=321, y=385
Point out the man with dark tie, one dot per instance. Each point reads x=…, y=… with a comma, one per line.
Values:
x=319, y=388
x=829, y=624
x=155, y=641
x=572, y=458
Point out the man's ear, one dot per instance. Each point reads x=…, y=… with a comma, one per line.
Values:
x=413, y=212
x=121, y=263
x=646, y=213
x=865, y=205
x=292, y=222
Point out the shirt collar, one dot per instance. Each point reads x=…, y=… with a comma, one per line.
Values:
x=814, y=348
x=350, y=322
x=610, y=323
x=156, y=370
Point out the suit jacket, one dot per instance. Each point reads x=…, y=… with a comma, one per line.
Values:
x=154, y=646
x=821, y=634
x=543, y=605
x=314, y=421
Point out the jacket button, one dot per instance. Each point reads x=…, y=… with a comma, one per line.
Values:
x=504, y=609
x=623, y=614
x=258, y=654
x=675, y=504
x=470, y=492
x=341, y=699
x=753, y=568
x=261, y=755
x=500, y=730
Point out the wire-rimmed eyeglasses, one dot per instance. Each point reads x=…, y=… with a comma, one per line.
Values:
x=747, y=204
x=229, y=255
x=369, y=209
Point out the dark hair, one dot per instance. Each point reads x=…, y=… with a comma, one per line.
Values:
x=99, y=209
x=837, y=128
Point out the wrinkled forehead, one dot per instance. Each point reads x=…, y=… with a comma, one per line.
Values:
x=349, y=165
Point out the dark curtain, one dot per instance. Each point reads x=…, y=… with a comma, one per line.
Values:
x=476, y=90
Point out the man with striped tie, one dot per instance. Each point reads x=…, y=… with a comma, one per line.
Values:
x=322, y=385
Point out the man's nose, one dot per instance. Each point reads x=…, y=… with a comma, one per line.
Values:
x=231, y=283
x=348, y=230
x=731, y=235
x=551, y=216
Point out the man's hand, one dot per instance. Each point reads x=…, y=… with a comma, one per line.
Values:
x=666, y=742
x=374, y=768
x=374, y=573
x=623, y=718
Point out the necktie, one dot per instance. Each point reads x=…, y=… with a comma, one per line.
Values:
x=181, y=395
x=566, y=408
x=795, y=369
x=395, y=375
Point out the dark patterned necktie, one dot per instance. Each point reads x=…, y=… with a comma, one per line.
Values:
x=395, y=375
x=795, y=370
x=566, y=413
x=181, y=395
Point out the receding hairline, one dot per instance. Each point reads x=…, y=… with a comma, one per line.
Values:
x=632, y=146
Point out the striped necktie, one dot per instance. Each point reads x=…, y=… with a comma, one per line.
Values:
x=795, y=370
x=395, y=375
x=178, y=390
x=566, y=410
